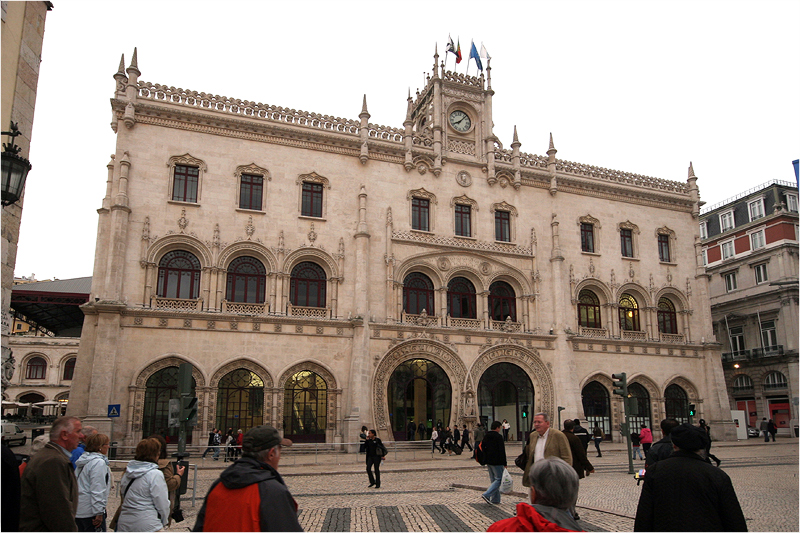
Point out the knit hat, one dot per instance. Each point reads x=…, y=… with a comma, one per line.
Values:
x=688, y=437
x=262, y=438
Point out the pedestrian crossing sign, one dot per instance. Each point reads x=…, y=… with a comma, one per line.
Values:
x=113, y=410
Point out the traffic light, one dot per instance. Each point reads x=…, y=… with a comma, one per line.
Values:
x=524, y=411
x=621, y=385
x=189, y=410
x=692, y=411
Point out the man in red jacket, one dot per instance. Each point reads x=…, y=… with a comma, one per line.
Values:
x=250, y=495
x=554, y=490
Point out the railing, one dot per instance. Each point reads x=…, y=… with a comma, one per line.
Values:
x=464, y=323
x=738, y=355
x=311, y=312
x=756, y=353
x=177, y=304
x=244, y=309
x=595, y=333
x=634, y=335
x=775, y=386
x=746, y=388
x=748, y=192
x=421, y=319
x=768, y=351
x=505, y=325
x=674, y=338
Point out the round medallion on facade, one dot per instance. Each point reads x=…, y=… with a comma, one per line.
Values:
x=486, y=268
x=464, y=179
x=443, y=263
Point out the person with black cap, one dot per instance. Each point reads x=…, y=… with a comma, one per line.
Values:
x=685, y=493
x=250, y=495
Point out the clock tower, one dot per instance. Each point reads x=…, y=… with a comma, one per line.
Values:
x=452, y=116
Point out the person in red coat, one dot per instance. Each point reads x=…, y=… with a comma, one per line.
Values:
x=554, y=490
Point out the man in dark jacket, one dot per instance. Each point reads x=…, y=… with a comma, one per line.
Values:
x=374, y=458
x=685, y=493
x=465, y=438
x=49, y=489
x=580, y=462
x=250, y=495
x=494, y=451
x=582, y=434
x=663, y=448
x=456, y=436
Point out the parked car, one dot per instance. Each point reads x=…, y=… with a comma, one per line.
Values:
x=752, y=432
x=13, y=434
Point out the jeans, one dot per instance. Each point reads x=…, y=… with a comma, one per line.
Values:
x=495, y=477
x=597, y=441
x=374, y=461
x=433, y=445
x=637, y=450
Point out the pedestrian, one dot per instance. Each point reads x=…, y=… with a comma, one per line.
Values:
x=421, y=429
x=230, y=446
x=553, y=491
x=580, y=462
x=434, y=439
x=376, y=452
x=543, y=442
x=480, y=431
x=465, y=438
x=764, y=428
x=447, y=441
x=250, y=495
x=646, y=438
x=636, y=440
x=684, y=492
x=9, y=503
x=37, y=444
x=582, y=434
x=210, y=445
x=239, y=438
x=172, y=477
x=363, y=436
x=663, y=448
x=145, y=498
x=772, y=429
x=94, y=484
x=456, y=437
x=49, y=489
x=709, y=455
x=444, y=434
x=506, y=429
x=411, y=428
x=597, y=437
x=88, y=431
x=217, y=443
x=494, y=453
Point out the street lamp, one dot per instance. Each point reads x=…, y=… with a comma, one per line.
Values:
x=15, y=168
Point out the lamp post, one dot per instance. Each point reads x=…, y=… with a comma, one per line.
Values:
x=15, y=168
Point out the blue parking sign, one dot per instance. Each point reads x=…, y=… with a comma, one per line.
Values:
x=113, y=410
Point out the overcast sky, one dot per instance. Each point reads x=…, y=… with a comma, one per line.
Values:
x=637, y=86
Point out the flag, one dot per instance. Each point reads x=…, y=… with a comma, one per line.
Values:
x=458, y=52
x=473, y=54
x=451, y=47
x=485, y=54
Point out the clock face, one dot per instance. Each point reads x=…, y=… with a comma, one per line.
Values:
x=460, y=121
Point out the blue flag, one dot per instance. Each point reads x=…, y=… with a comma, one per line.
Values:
x=473, y=54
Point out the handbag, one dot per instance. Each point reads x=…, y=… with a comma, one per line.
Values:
x=506, y=484
x=521, y=461
x=380, y=450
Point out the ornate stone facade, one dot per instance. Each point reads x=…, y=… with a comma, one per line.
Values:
x=365, y=209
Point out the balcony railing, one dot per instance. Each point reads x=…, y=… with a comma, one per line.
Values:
x=464, y=323
x=747, y=388
x=310, y=312
x=422, y=319
x=674, y=338
x=505, y=325
x=634, y=335
x=177, y=304
x=775, y=386
x=756, y=353
x=243, y=309
x=595, y=333
x=740, y=355
x=768, y=351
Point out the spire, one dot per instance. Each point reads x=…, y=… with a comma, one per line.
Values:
x=552, y=147
x=364, y=113
x=691, y=170
x=516, y=139
x=435, y=61
x=410, y=106
x=121, y=69
x=134, y=61
x=134, y=68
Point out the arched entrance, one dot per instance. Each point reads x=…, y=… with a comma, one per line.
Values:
x=676, y=403
x=505, y=392
x=419, y=391
x=640, y=407
x=305, y=407
x=240, y=400
x=596, y=407
x=161, y=387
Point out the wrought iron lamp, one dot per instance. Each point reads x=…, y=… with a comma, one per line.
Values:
x=15, y=168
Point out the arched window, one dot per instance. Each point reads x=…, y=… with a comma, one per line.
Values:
x=667, y=320
x=305, y=407
x=461, y=298
x=36, y=369
x=588, y=310
x=419, y=391
x=596, y=409
x=247, y=279
x=773, y=380
x=240, y=400
x=179, y=275
x=742, y=383
x=676, y=403
x=69, y=369
x=628, y=313
x=308, y=285
x=640, y=407
x=160, y=388
x=502, y=301
x=418, y=294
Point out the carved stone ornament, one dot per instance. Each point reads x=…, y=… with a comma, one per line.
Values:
x=485, y=268
x=146, y=229
x=464, y=179
x=215, y=239
x=249, y=228
x=423, y=194
x=443, y=263
x=505, y=206
x=312, y=235
x=183, y=221
x=591, y=266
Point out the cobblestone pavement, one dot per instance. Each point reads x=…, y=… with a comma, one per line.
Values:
x=443, y=493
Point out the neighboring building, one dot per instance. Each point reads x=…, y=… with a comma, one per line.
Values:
x=751, y=254
x=22, y=34
x=321, y=273
x=46, y=364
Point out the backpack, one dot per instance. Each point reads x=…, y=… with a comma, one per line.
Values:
x=480, y=455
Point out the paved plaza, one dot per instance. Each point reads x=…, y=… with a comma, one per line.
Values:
x=443, y=493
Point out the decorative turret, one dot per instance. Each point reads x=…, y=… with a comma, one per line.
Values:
x=515, y=144
x=408, y=138
x=121, y=78
x=364, y=130
x=436, y=61
x=694, y=192
x=551, y=166
x=132, y=91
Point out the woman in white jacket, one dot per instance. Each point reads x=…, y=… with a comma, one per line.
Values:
x=145, y=500
x=94, y=484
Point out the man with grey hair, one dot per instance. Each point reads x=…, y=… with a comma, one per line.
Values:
x=49, y=490
x=554, y=490
x=88, y=431
x=250, y=495
x=545, y=442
